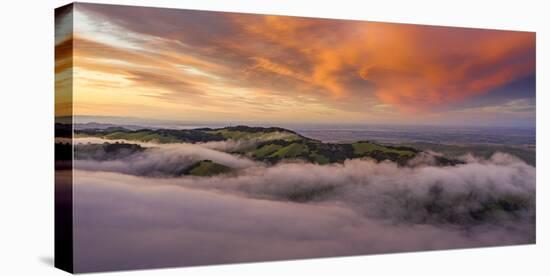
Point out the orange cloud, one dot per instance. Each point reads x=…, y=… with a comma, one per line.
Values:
x=64, y=77
x=413, y=67
x=454, y=71
x=351, y=67
x=267, y=65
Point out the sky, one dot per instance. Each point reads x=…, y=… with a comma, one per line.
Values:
x=201, y=66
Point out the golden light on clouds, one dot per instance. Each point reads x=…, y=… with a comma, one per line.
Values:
x=207, y=66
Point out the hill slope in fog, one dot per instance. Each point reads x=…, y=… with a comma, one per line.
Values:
x=271, y=145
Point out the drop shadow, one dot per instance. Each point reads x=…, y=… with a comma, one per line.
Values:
x=47, y=260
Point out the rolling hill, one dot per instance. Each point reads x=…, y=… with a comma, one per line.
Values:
x=271, y=145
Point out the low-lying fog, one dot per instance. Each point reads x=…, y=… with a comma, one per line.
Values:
x=126, y=218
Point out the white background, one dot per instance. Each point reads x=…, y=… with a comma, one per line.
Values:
x=26, y=148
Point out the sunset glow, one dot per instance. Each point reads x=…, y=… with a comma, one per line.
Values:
x=207, y=66
x=187, y=138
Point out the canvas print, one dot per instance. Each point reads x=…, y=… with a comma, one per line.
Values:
x=188, y=138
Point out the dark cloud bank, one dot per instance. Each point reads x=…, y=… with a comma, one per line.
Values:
x=294, y=210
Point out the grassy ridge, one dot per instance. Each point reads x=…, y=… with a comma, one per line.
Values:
x=191, y=135
x=258, y=135
x=527, y=154
x=361, y=148
x=207, y=168
x=105, y=151
x=271, y=144
x=323, y=153
x=162, y=136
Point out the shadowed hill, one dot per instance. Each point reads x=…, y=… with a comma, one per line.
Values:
x=270, y=144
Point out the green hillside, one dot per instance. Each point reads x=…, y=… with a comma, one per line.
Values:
x=152, y=135
x=248, y=133
x=323, y=153
x=271, y=144
x=207, y=168
x=362, y=148
x=105, y=151
x=191, y=135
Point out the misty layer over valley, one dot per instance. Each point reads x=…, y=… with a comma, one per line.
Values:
x=218, y=195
